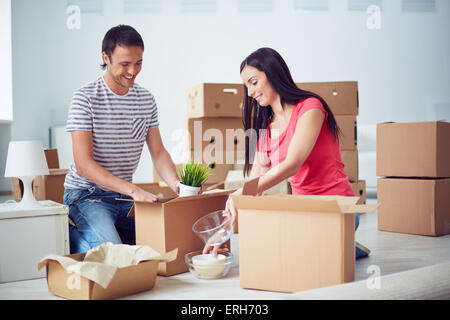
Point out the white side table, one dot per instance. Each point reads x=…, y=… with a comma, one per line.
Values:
x=26, y=236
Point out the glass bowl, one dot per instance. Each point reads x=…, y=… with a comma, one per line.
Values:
x=214, y=228
x=206, y=266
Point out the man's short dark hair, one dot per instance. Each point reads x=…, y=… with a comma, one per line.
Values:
x=120, y=35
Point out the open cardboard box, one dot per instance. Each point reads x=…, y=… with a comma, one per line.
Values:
x=290, y=243
x=167, y=224
x=126, y=281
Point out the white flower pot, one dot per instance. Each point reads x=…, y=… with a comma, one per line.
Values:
x=186, y=191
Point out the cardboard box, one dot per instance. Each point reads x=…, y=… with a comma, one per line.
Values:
x=341, y=97
x=215, y=100
x=48, y=187
x=350, y=160
x=126, y=281
x=223, y=133
x=218, y=173
x=348, y=137
x=310, y=243
x=359, y=188
x=51, y=155
x=167, y=224
x=212, y=154
x=235, y=180
x=415, y=206
x=413, y=149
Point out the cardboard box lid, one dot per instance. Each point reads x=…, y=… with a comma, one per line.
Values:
x=306, y=203
x=170, y=200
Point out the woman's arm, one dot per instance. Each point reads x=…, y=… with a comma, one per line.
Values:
x=306, y=132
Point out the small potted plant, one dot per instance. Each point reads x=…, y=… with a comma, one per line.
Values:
x=193, y=175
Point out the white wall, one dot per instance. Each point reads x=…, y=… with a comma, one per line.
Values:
x=6, y=107
x=400, y=68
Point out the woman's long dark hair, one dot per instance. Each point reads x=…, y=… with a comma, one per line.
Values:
x=256, y=117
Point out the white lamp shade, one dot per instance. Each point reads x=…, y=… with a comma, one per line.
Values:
x=26, y=158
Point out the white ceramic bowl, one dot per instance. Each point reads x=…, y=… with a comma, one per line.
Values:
x=206, y=266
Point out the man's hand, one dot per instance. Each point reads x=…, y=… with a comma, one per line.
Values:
x=139, y=194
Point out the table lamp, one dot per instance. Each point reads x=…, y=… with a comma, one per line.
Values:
x=26, y=160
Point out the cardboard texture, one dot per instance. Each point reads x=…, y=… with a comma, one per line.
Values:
x=414, y=206
x=126, y=281
x=218, y=173
x=212, y=154
x=348, y=137
x=413, y=149
x=51, y=155
x=341, y=97
x=359, y=188
x=282, y=258
x=219, y=133
x=215, y=100
x=350, y=160
x=167, y=225
x=235, y=180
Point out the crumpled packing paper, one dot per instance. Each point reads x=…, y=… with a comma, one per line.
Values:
x=100, y=263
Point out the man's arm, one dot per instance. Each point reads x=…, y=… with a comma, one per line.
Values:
x=161, y=159
x=90, y=169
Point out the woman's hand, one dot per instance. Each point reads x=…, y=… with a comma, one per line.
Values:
x=229, y=209
x=215, y=249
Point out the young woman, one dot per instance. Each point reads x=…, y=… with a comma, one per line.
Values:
x=294, y=133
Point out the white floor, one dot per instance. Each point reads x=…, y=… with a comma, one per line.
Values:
x=391, y=253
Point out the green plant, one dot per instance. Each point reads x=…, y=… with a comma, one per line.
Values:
x=194, y=174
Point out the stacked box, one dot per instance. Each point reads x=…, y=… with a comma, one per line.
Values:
x=413, y=161
x=214, y=132
x=342, y=98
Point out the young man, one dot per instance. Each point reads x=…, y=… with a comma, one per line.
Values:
x=110, y=119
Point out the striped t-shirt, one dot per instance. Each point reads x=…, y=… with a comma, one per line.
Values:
x=119, y=126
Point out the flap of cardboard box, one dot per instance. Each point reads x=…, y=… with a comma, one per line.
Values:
x=204, y=195
x=56, y=172
x=308, y=203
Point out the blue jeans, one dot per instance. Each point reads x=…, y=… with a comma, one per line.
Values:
x=358, y=252
x=99, y=218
